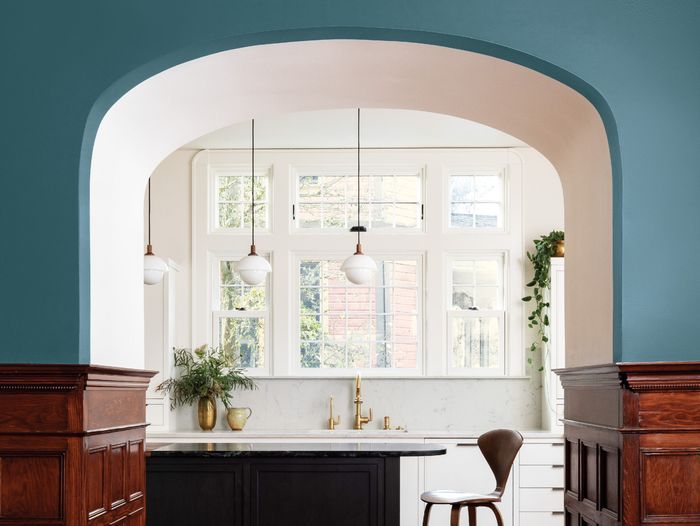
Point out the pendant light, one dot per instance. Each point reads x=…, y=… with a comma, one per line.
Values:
x=154, y=268
x=359, y=268
x=253, y=269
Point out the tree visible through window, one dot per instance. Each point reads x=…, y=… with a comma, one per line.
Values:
x=329, y=202
x=344, y=326
x=233, y=200
x=241, y=317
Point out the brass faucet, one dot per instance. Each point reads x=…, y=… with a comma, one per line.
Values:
x=359, y=419
x=332, y=421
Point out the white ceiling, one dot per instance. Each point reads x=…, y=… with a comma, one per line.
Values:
x=338, y=129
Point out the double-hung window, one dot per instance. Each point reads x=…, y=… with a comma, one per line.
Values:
x=240, y=315
x=348, y=327
x=476, y=315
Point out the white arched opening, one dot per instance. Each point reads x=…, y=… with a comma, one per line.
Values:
x=189, y=100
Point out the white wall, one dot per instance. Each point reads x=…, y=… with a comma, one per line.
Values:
x=292, y=403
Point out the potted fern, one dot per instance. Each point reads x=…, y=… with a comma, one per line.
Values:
x=207, y=375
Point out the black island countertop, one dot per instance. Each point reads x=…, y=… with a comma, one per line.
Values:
x=279, y=450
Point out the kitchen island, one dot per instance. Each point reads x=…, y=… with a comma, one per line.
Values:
x=264, y=484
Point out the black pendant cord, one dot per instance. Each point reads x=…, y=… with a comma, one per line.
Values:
x=252, y=180
x=149, y=211
x=358, y=176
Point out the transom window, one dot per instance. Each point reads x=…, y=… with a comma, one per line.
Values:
x=344, y=326
x=476, y=201
x=240, y=316
x=328, y=201
x=232, y=210
x=476, y=314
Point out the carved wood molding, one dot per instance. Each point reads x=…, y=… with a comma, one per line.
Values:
x=661, y=382
x=638, y=377
x=37, y=387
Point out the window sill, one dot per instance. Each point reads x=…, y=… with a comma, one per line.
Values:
x=392, y=377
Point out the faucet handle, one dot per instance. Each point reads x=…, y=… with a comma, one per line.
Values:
x=371, y=416
x=333, y=421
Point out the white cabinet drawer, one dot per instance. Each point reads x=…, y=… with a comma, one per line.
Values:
x=542, y=518
x=542, y=476
x=542, y=454
x=541, y=499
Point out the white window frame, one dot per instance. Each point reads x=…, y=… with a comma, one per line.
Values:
x=501, y=314
x=216, y=313
x=241, y=170
x=295, y=354
x=283, y=243
x=302, y=170
x=458, y=169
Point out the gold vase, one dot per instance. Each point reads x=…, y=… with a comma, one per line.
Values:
x=206, y=413
x=559, y=249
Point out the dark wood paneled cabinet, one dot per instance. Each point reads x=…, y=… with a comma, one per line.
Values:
x=72, y=443
x=273, y=491
x=632, y=444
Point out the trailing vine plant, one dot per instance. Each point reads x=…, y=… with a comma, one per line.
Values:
x=545, y=249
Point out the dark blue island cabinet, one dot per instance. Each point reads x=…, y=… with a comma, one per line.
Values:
x=238, y=484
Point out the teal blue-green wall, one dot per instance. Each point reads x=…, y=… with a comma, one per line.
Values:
x=64, y=63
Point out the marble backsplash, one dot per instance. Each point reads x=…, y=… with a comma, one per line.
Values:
x=445, y=404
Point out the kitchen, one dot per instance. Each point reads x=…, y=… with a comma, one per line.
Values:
x=446, y=381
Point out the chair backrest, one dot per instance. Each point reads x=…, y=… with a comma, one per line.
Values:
x=500, y=447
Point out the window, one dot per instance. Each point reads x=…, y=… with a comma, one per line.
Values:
x=445, y=301
x=240, y=316
x=328, y=201
x=476, y=201
x=476, y=317
x=232, y=210
x=344, y=326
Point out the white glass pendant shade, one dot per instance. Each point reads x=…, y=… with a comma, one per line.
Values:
x=359, y=268
x=154, y=268
x=253, y=269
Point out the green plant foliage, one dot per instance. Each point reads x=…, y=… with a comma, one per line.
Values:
x=206, y=373
x=539, y=317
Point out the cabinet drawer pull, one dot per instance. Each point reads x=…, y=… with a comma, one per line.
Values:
x=557, y=489
x=558, y=444
x=557, y=465
x=465, y=445
x=558, y=513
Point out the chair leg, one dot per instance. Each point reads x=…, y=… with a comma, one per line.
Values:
x=454, y=515
x=426, y=513
x=472, y=516
x=497, y=513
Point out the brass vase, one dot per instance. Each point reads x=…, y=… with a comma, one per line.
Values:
x=559, y=249
x=206, y=413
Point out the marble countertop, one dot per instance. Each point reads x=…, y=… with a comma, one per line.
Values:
x=369, y=434
x=305, y=450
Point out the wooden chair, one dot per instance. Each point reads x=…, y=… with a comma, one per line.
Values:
x=499, y=447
